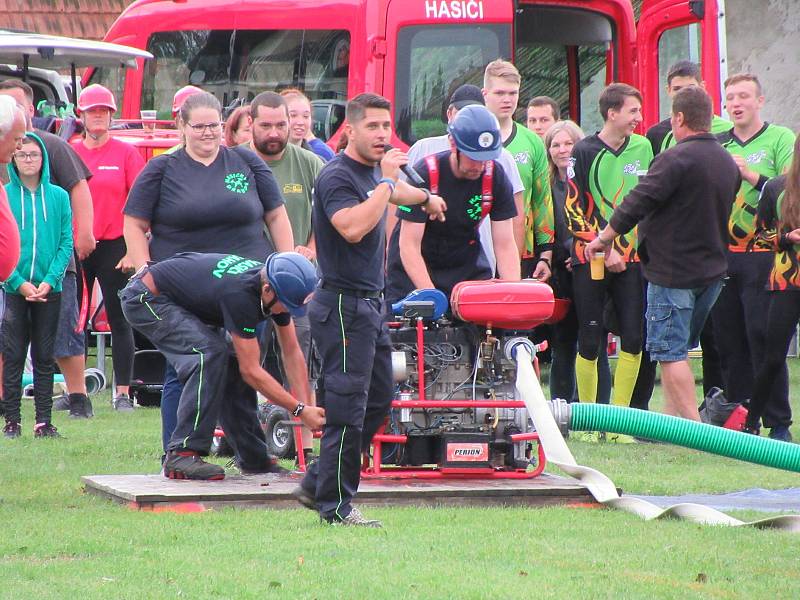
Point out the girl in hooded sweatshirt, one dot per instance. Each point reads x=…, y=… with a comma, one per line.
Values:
x=33, y=291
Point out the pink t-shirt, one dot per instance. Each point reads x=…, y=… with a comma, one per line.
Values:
x=114, y=167
x=9, y=238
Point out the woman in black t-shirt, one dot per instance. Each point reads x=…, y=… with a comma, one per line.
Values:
x=204, y=197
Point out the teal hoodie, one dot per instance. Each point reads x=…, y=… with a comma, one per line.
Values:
x=44, y=219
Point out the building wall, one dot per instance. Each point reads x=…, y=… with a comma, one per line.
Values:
x=88, y=19
x=763, y=39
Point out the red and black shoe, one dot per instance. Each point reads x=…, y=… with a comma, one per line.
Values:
x=187, y=464
x=12, y=430
x=43, y=430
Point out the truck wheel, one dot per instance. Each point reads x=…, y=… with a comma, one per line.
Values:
x=280, y=438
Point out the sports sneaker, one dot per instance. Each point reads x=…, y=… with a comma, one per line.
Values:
x=304, y=497
x=781, y=433
x=619, y=438
x=751, y=429
x=41, y=430
x=80, y=407
x=186, y=464
x=271, y=466
x=122, y=403
x=12, y=430
x=61, y=402
x=356, y=519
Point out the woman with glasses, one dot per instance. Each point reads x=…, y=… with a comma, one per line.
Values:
x=204, y=197
x=114, y=165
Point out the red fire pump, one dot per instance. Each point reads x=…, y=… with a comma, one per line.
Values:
x=456, y=412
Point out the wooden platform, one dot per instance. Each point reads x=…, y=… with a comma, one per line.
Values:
x=154, y=492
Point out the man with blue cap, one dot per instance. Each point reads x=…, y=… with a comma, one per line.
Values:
x=424, y=253
x=187, y=305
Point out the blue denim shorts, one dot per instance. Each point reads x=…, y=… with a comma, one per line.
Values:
x=675, y=318
x=68, y=343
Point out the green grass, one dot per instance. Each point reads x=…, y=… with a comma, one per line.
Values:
x=59, y=542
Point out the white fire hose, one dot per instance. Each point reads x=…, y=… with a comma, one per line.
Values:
x=601, y=487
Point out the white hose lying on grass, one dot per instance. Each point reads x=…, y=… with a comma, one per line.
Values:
x=600, y=486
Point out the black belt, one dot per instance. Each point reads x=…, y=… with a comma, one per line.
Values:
x=350, y=292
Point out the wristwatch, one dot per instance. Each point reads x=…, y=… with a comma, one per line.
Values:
x=427, y=197
x=298, y=409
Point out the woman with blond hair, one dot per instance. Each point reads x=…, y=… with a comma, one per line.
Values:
x=778, y=223
x=558, y=141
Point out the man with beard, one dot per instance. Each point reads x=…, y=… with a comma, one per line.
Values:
x=295, y=170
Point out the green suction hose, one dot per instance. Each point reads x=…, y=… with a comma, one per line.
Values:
x=690, y=434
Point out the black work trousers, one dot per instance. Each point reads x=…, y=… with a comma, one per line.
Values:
x=100, y=265
x=356, y=390
x=33, y=323
x=782, y=317
x=740, y=329
x=564, y=348
x=199, y=353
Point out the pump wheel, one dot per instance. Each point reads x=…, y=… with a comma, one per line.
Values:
x=280, y=438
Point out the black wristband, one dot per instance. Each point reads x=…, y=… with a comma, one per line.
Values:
x=427, y=197
x=298, y=409
x=545, y=261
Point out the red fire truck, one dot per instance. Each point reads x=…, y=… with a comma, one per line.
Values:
x=414, y=52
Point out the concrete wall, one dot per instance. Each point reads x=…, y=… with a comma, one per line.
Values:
x=763, y=39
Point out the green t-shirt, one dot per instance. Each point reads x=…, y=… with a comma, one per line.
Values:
x=598, y=180
x=530, y=155
x=768, y=153
x=295, y=173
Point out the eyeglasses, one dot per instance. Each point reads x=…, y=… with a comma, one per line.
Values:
x=201, y=127
x=26, y=156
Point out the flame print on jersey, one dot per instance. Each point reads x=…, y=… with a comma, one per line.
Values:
x=539, y=221
x=741, y=227
x=582, y=222
x=785, y=271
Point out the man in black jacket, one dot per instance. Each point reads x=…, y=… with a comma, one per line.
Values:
x=683, y=205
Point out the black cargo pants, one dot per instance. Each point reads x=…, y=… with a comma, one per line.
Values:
x=355, y=388
x=199, y=353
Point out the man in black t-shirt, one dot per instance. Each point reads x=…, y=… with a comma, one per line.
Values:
x=185, y=305
x=350, y=200
x=427, y=254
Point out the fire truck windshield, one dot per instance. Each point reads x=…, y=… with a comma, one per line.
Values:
x=238, y=64
x=432, y=61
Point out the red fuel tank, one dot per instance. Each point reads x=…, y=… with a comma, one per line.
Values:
x=503, y=304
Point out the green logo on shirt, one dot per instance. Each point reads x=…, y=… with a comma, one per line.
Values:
x=234, y=265
x=237, y=183
x=474, y=208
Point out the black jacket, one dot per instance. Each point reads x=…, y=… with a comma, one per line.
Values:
x=682, y=207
